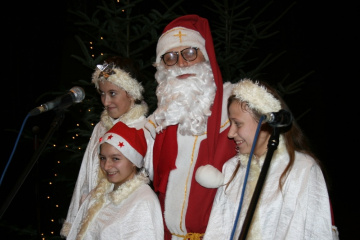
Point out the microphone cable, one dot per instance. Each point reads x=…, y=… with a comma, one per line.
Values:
x=13, y=151
x=246, y=176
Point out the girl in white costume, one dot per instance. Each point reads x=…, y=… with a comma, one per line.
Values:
x=121, y=96
x=122, y=206
x=294, y=201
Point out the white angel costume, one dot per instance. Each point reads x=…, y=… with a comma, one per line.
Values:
x=131, y=212
x=301, y=210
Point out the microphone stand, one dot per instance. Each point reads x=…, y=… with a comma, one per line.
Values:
x=54, y=125
x=272, y=146
x=36, y=131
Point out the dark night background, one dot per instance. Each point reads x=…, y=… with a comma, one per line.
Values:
x=318, y=36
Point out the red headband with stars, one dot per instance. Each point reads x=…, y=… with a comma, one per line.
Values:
x=129, y=141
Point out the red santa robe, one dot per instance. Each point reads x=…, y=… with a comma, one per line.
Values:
x=186, y=205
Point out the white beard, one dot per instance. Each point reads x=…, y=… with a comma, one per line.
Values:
x=185, y=102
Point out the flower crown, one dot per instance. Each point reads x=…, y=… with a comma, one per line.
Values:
x=256, y=96
x=106, y=70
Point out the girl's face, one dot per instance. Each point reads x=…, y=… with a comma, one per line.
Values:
x=243, y=128
x=117, y=168
x=115, y=99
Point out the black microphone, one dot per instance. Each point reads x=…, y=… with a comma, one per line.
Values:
x=75, y=95
x=281, y=118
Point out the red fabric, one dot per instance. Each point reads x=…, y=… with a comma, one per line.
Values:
x=201, y=198
x=167, y=233
x=164, y=157
x=214, y=150
x=332, y=214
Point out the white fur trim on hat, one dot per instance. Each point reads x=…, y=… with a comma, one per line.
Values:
x=120, y=78
x=256, y=96
x=177, y=37
x=124, y=147
x=208, y=176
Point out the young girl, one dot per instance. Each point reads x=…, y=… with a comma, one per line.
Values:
x=294, y=201
x=122, y=205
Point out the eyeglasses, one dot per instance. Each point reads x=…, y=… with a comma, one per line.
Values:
x=171, y=58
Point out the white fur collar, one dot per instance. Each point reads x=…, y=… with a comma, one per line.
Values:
x=133, y=114
x=244, y=158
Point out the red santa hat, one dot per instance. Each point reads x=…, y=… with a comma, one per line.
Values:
x=193, y=30
x=180, y=37
x=129, y=141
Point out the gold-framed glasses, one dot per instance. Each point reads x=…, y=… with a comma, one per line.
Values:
x=171, y=58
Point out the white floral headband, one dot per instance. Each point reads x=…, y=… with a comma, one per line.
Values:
x=256, y=96
x=120, y=78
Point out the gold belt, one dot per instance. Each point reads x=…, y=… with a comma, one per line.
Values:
x=190, y=236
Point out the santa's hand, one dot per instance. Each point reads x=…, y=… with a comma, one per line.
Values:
x=151, y=126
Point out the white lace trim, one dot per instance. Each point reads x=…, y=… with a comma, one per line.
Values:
x=100, y=194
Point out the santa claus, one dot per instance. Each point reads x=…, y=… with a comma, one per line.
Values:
x=190, y=126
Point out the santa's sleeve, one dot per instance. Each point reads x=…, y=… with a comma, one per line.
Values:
x=148, y=159
x=150, y=126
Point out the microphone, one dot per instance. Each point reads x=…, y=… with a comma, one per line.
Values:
x=281, y=118
x=75, y=95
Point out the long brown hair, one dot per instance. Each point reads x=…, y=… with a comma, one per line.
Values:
x=294, y=138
